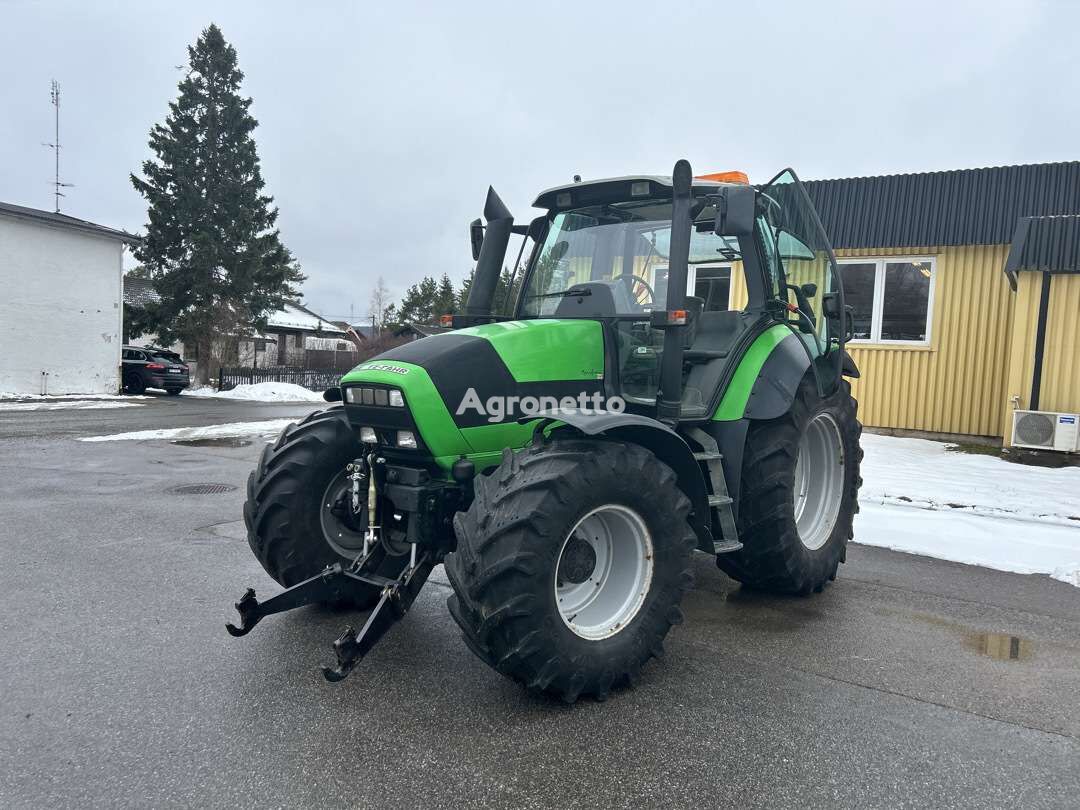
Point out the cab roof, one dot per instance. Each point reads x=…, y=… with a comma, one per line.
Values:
x=613, y=189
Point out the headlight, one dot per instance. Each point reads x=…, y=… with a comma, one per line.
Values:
x=362, y=395
x=367, y=435
x=406, y=439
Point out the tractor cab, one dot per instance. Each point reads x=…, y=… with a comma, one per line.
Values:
x=756, y=257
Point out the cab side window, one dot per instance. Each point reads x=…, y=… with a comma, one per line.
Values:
x=713, y=286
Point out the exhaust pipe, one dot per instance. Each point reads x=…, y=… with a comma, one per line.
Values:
x=669, y=398
x=492, y=253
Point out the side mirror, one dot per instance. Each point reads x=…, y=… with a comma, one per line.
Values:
x=809, y=289
x=830, y=305
x=735, y=211
x=476, y=236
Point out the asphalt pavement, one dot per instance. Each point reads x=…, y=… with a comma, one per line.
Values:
x=908, y=682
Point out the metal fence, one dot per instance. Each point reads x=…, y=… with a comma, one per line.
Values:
x=314, y=379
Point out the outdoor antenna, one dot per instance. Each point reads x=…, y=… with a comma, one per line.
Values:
x=55, y=146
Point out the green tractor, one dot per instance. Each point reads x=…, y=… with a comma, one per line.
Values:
x=671, y=379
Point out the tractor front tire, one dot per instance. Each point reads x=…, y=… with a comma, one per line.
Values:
x=799, y=494
x=571, y=564
x=284, y=511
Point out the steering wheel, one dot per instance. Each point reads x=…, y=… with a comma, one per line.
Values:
x=638, y=297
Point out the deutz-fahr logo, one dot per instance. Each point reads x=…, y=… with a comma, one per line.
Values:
x=384, y=367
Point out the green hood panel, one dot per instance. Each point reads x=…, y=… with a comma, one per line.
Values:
x=541, y=350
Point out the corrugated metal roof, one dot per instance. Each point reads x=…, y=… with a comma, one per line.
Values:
x=64, y=221
x=962, y=207
x=1045, y=243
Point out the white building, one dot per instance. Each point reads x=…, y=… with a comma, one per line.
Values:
x=61, y=303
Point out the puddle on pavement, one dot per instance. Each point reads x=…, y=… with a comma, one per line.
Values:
x=1001, y=646
x=228, y=441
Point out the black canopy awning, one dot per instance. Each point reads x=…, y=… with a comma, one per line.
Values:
x=1049, y=244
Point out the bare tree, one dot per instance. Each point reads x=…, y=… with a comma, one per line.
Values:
x=380, y=300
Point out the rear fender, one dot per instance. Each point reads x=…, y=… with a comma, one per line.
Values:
x=780, y=377
x=662, y=441
x=778, y=380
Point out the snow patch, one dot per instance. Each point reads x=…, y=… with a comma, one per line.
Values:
x=1069, y=574
x=920, y=498
x=267, y=427
x=921, y=473
x=64, y=406
x=261, y=392
x=5, y=395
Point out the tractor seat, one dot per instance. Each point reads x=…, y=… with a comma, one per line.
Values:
x=716, y=333
x=598, y=299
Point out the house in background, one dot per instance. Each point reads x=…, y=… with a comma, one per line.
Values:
x=299, y=338
x=416, y=331
x=61, y=309
x=294, y=337
x=945, y=343
x=138, y=293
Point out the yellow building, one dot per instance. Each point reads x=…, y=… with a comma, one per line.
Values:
x=946, y=340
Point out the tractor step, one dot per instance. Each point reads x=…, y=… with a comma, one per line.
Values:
x=336, y=584
x=721, y=504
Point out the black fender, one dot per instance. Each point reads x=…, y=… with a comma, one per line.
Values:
x=780, y=376
x=662, y=441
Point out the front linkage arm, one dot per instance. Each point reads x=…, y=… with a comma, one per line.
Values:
x=336, y=583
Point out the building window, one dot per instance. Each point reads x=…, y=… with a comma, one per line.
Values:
x=712, y=284
x=298, y=340
x=892, y=298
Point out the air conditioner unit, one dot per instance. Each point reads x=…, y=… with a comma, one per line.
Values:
x=1045, y=430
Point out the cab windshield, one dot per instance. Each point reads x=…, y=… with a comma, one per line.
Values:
x=622, y=245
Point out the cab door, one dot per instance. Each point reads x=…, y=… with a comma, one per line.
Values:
x=809, y=295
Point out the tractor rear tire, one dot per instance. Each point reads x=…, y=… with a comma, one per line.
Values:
x=786, y=471
x=552, y=522
x=283, y=511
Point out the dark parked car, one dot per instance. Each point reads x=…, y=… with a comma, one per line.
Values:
x=150, y=367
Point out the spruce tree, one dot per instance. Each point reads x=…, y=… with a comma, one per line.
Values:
x=419, y=302
x=445, y=299
x=211, y=244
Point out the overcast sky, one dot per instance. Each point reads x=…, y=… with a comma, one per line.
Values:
x=381, y=124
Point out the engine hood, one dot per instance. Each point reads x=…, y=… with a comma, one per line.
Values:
x=450, y=379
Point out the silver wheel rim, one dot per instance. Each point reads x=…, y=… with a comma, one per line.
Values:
x=345, y=541
x=819, y=481
x=604, y=571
